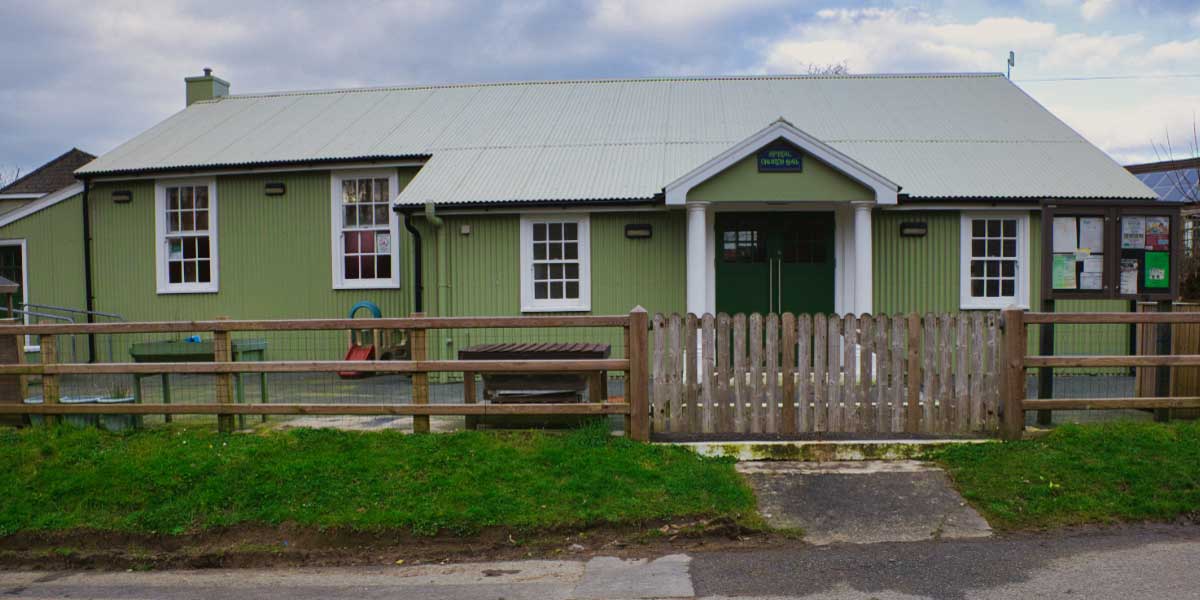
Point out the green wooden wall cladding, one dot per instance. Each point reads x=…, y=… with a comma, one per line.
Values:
x=818, y=182
x=54, y=253
x=915, y=274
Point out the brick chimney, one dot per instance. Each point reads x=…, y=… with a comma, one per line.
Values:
x=205, y=87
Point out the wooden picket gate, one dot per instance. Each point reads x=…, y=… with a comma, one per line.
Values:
x=937, y=374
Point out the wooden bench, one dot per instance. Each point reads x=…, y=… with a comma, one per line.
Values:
x=527, y=388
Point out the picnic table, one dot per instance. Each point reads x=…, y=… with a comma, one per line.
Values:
x=184, y=351
x=502, y=388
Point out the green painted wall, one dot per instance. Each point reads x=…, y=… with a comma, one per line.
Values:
x=916, y=274
x=274, y=252
x=818, y=182
x=54, y=253
x=484, y=274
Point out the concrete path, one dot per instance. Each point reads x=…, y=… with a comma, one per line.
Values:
x=862, y=502
x=1117, y=564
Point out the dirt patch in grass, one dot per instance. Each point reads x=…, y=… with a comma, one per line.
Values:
x=291, y=545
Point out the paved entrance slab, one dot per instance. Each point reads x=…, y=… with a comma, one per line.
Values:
x=863, y=502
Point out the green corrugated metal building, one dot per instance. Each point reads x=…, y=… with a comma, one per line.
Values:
x=882, y=194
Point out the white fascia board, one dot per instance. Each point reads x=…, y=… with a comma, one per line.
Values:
x=44, y=202
x=886, y=191
x=20, y=196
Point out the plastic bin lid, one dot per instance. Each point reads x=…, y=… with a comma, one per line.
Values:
x=77, y=400
x=33, y=400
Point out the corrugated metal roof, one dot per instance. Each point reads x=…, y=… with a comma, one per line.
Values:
x=938, y=136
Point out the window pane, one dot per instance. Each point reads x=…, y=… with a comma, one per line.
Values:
x=202, y=196
x=539, y=232
x=539, y=251
x=189, y=272
x=174, y=272
x=993, y=228
x=349, y=218
x=1007, y=287
x=1009, y=268
x=366, y=242
x=381, y=191
x=189, y=248
x=364, y=191
x=572, y=290
x=556, y=271
x=383, y=266
x=186, y=222
x=539, y=271
x=977, y=228
x=350, y=240
x=381, y=215
x=556, y=290
x=572, y=270
x=202, y=220
x=185, y=198
x=1010, y=248
x=571, y=231
x=205, y=271
x=173, y=221
x=351, y=266
x=364, y=216
x=993, y=248
x=202, y=249
x=1010, y=228
x=555, y=251
x=993, y=268
x=571, y=251
x=539, y=291
x=977, y=288
x=349, y=191
x=977, y=268
x=556, y=231
x=172, y=198
x=367, y=267
x=993, y=288
x=978, y=248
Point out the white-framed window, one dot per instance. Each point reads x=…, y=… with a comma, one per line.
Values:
x=995, y=267
x=366, y=231
x=555, y=263
x=185, y=225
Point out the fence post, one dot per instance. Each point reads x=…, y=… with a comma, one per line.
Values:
x=637, y=383
x=1012, y=387
x=49, y=346
x=223, y=352
x=420, y=380
x=912, y=415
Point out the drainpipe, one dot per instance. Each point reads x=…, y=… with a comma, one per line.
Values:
x=443, y=296
x=89, y=294
x=418, y=283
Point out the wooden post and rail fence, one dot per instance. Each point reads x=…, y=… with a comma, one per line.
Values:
x=634, y=406
x=948, y=374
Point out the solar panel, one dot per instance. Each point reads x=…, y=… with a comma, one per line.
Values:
x=1180, y=185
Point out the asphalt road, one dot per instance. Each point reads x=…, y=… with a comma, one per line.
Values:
x=1127, y=563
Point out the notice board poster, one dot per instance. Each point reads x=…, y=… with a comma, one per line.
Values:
x=1077, y=262
x=1145, y=254
x=1158, y=270
x=1098, y=250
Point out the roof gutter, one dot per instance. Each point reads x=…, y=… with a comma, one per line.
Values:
x=442, y=260
x=418, y=283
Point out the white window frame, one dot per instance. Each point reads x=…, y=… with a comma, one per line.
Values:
x=531, y=304
x=24, y=246
x=1021, y=297
x=335, y=223
x=160, y=238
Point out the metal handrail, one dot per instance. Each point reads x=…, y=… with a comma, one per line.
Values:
x=42, y=315
x=77, y=311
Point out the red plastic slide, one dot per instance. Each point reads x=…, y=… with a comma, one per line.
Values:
x=357, y=352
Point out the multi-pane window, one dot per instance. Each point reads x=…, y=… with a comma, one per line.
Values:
x=805, y=243
x=555, y=264
x=365, y=230
x=186, y=225
x=993, y=253
x=743, y=245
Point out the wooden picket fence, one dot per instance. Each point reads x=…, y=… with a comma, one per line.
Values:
x=934, y=374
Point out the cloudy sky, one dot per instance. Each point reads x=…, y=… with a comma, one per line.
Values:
x=93, y=74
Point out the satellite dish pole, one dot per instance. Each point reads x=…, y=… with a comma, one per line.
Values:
x=1012, y=62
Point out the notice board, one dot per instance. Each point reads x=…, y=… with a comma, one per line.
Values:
x=1110, y=251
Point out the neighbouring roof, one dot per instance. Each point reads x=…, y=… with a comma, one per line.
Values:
x=937, y=136
x=52, y=176
x=1171, y=180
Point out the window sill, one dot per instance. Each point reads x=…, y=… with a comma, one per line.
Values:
x=33, y=349
x=992, y=305
x=380, y=284
x=555, y=309
x=204, y=290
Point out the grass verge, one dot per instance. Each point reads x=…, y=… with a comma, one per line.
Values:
x=191, y=480
x=1081, y=474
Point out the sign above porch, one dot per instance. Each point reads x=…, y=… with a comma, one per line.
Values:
x=780, y=157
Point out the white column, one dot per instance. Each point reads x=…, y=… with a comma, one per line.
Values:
x=697, y=251
x=863, y=275
x=710, y=263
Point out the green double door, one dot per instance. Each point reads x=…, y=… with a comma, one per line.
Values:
x=775, y=262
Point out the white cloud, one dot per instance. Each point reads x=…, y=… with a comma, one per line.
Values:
x=670, y=15
x=1091, y=10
